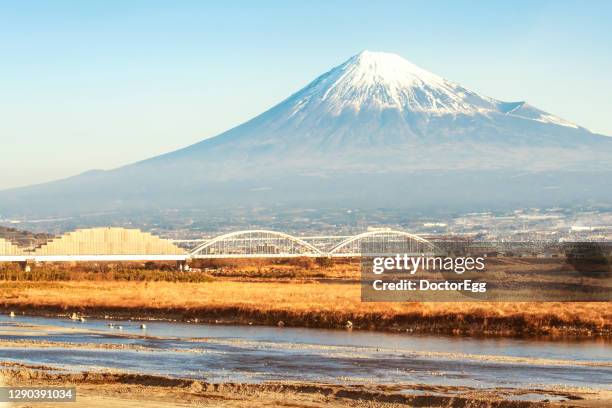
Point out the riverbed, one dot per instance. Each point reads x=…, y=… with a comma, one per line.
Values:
x=256, y=354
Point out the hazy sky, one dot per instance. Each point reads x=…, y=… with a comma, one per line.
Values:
x=98, y=84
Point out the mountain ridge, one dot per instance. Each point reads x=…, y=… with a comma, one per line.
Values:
x=359, y=92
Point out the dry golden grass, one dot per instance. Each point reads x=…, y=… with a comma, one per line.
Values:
x=278, y=269
x=309, y=304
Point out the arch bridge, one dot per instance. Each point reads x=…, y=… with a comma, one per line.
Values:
x=270, y=244
x=119, y=244
x=255, y=243
x=381, y=242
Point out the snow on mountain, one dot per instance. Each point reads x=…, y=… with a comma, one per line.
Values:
x=377, y=80
x=526, y=111
x=377, y=105
x=380, y=81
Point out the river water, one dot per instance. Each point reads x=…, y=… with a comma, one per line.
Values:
x=218, y=353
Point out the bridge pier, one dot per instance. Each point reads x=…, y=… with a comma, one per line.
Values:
x=182, y=265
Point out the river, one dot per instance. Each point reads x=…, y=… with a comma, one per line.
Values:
x=219, y=353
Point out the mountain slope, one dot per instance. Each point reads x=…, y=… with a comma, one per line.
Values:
x=378, y=104
x=376, y=117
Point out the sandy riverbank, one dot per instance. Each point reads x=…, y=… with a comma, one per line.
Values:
x=133, y=390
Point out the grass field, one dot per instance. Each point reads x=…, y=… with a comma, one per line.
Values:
x=306, y=304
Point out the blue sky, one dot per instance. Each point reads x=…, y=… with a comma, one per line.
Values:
x=98, y=84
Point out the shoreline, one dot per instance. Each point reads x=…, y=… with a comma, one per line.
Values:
x=407, y=324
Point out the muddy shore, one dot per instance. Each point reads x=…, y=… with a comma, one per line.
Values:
x=130, y=390
x=466, y=325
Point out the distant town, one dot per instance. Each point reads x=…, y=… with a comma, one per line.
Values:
x=530, y=224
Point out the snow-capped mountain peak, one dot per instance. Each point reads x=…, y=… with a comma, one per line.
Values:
x=379, y=100
x=380, y=80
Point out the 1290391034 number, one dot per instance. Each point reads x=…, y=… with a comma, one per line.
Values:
x=30, y=394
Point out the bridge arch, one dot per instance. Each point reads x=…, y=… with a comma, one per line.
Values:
x=255, y=243
x=382, y=241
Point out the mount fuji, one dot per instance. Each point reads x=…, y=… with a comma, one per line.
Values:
x=376, y=130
